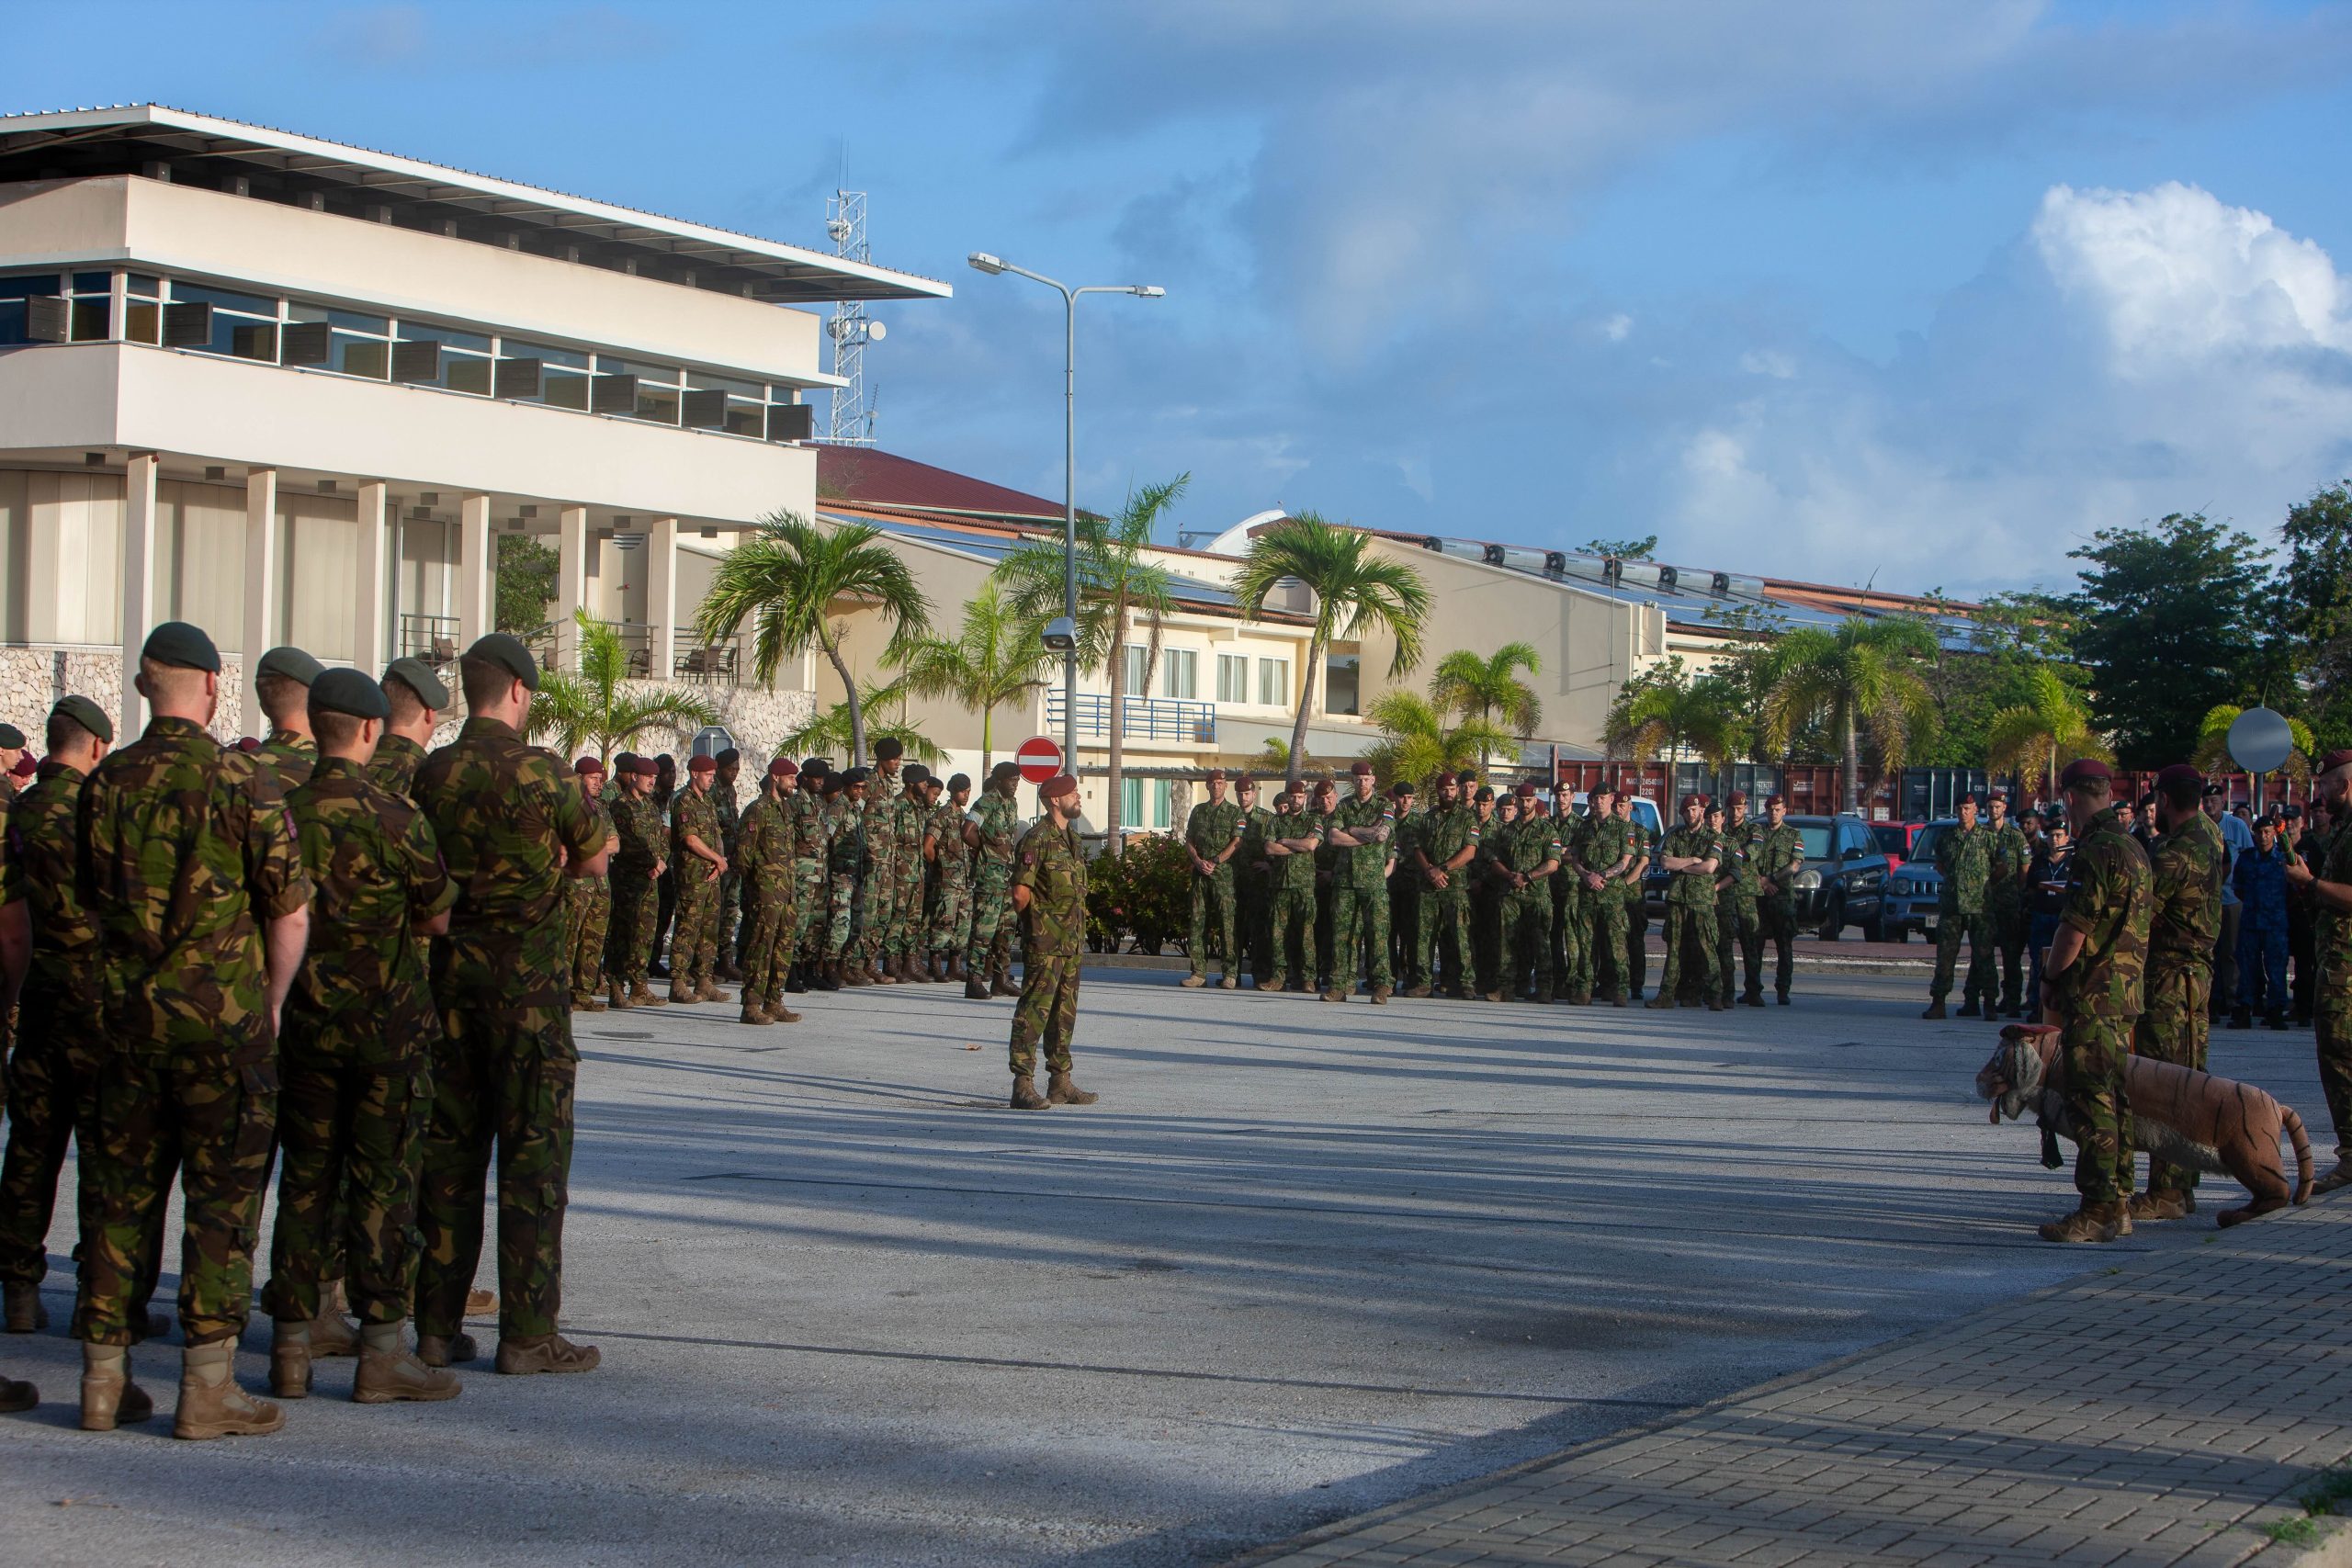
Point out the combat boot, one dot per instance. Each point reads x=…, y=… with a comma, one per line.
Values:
x=25, y=1314
x=331, y=1332
x=1969, y=1009
x=710, y=993
x=754, y=1013
x=640, y=995
x=1060, y=1090
x=442, y=1351
x=1193, y=982
x=1660, y=1001
x=545, y=1353
x=211, y=1404
x=777, y=1012
x=796, y=980
x=1025, y=1096
x=1380, y=995
x=1753, y=999
x=289, y=1361
x=1334, y=994
x=2148, y=1207
x=1718, y=1004
x=2276, y=1020
x=2092, y=1222
x=1418, y=992
x=1004, y=985
x=1230, y=983
x=480, y=1302
x=2340, y=1177
x=616, y=998
x=1935, y=1009
x=954, y=967
x=975, y=992
x=849, y=972
x=2242, y=1017
x=16, y=1396
x=389, y=1374
x=109, y=1397
x=683, y=993
x=726, y=970
x=876, y=973
x=1783, y=996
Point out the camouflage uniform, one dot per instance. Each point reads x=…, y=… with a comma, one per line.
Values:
x=997, y=820
x=1735, y=913
x=730, y=881
x=505, y=1067
x=1605, y=842
x=1774, y=851
x=394, y=765
x=1253, y=893
x=846, y=868
x=1638, y=919
x=2331, y=996
x=1407, y=946
x=1963, y=857
x=185, y=854
x=1053, y=867
x=2099, y=997
x=1294, y=874
x=638, y=847
x=2005, y=913
x=2184, y=922
x=1570, y=963
x=1360, y=896
x=1691, y=923
x=1446, y=831
x=877, y=889
x=910, y=872
x=694, y=942
x=355, y=1059
x=286, y=760
x=1524, y=940
x=769, y=865
x=1214, y=827
x=950, y=920
x=811, y=847
x=588, y=910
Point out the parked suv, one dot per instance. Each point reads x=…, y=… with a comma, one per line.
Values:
x=1913, y=891
x=1842, y=884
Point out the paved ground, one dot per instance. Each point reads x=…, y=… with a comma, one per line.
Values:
x=1301, y=1262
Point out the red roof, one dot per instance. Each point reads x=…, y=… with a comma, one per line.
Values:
x=862, y=476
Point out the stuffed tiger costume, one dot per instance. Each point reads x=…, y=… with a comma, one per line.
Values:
x=2178, y=1114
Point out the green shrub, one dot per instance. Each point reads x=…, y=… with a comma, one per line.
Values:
x=1145, y=893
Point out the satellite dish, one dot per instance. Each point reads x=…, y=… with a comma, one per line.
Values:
x=876, y=331
x=2260, y=741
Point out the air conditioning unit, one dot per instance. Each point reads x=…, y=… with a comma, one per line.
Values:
x=1433, y=543
x=416, y=362
x=1555, y=562
x=306, y=342
x=1666, y=576
x=187, y=326
x=1720, y=585
x=1613, y=570
x=792, y=421
x=49, y=318
x=517, y=378
x=703, y=410
x=1492, y=555
x=613, y=394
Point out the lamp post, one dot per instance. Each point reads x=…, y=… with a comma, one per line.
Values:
x=1067, y=627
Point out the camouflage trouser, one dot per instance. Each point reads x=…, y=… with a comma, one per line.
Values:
x=813, y=898
x=843, y=905
x=2094, y=1051
x=903, y=939
x=1637, y=941
x=1445, y=915
x=353, y=1140
x=47, y=1072
x=1213, y=922
x=991, y=938
x=2004, y=928
x=695, y=945
x=768, y=932
x=1294, y=937
x=1571, y=964
x=1950, y=927
x=631, y=947
x=665, y=909
x=589, y=903
x=1253, y=919
x=1692, y=932
x=951, y=916
x=1359, y=934
x=1524, y=942
x=1604, y=927
x=2171, y=1028
x=730, y=908
x=205, y=1117
x=1408, y=952
x=878, y=893
x=502, y=1080
x=1739, y=940
x=2332, y=1012
x=1776, y=923
x=1046, y=1011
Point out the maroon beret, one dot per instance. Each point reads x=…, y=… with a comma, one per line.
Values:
x=1361, y=767
x=1059, y=786
x=2090, y=769
x=1525, y=791
x=1244, y=780
x=783, y=768
x=1217, y=775
x=2179, y=773
x=588, y=765
x=646, y=768
x=1772, y=800
x=1738, y=797
x=2335, y=760
x=703, y=765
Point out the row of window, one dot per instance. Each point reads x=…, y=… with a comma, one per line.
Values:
x=173, y=313
x=1132, y=794
x=1179, y=677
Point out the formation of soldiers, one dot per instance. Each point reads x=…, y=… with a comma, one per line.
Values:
x=1505, y=897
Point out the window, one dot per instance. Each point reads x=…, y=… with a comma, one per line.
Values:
x=1134, y=797
x=1181, y=665
x=1162, y=794
x=720, y=402
x=344, y=342
x=537, y=373
x=1131, y=802
x=1134, y=676
x=14, y=292
x=1340, y=685
x=243, y=326
x=93, y=298
x=1232, y=678
x=143, y=306
x=427, y=355
x=1273, y=683
x=654, y=392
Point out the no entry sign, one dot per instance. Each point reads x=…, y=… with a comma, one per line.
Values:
x=1039, y=757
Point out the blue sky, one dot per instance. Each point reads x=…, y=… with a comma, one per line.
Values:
x=1912, y=293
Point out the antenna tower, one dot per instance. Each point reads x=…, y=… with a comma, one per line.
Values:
x=851, y=327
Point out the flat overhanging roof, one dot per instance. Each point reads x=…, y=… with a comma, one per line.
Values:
x=199, y=149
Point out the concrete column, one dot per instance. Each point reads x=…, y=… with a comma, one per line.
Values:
x=138, y=588
x=661, y=597
x=261, y=589
x=474, y=600
x=372, y=637
x=571, y=583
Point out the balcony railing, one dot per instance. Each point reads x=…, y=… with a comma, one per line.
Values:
x=1142, y=719
x=710, y=664
x=433, y=638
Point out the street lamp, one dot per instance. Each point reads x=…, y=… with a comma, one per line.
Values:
x=983, y=261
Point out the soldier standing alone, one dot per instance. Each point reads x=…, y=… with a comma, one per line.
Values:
x=1049, y=892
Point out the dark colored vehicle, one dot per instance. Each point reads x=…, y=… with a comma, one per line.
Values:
x=1842, y=884
x=1913, y=892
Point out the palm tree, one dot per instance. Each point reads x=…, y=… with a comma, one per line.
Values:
x=1118, y=590
x=1489, y=689
x=1861, y=678
x=2214, y=743
x=788, y=576
x=1416, y=744
x=589, y=708
x=881, y=709
x=2044, y=733
x=997, y=659
x=1665, y=710
x=1274, y=756
x=1354, y=591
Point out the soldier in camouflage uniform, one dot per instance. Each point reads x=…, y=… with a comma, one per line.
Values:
x=418, y=698
x=1604, y=855
x=1254, y=898
x=1694, y=857
x=191, y=878
x=2010, y=856
x=588, y=902
x=511, y=828
x=1361, y=828
x=1737, y=886
x=878, y=886
x=1520, y=859
x=908, y=871
x=1049, y=891
x=1212, y=840
x=769, y=862
x=1568, y=959
x=641, y=853
x=951, y=871
x=1963, y=858
x=2328, y=882
x=847, y=869
x=725, y=964
x=1292, y=843
x=1778, y=855
x=812, y=842
x=1629, y=893
x=990, y=830
x=1407, y=947
x=354, y=1056
x=2184, y=922
x=282, y=690
x=697, y=862
x=1444, y=854
x=12, y=751
x=2091, y=984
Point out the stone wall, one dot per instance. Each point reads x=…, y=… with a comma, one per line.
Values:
x=758, y=718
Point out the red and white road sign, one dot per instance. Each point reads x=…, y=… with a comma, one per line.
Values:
x=1040, y=759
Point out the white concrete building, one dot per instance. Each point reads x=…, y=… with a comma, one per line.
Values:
x=294, y=392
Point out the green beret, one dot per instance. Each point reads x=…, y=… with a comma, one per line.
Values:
x=183, y=647
x=418, y=677
x=348, y=692
x=10, y=736
x=509, y=654
x=86, y=714
x=291, y=663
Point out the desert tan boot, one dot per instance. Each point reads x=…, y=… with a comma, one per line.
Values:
x=545, y=1353
x=211, y=1404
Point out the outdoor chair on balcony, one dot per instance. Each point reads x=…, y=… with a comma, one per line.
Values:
x=445, y=649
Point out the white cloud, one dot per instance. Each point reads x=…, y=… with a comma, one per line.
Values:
x=1616, y=328
x=1769, y=362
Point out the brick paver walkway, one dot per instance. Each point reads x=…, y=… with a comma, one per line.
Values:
x=2159, y=1410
